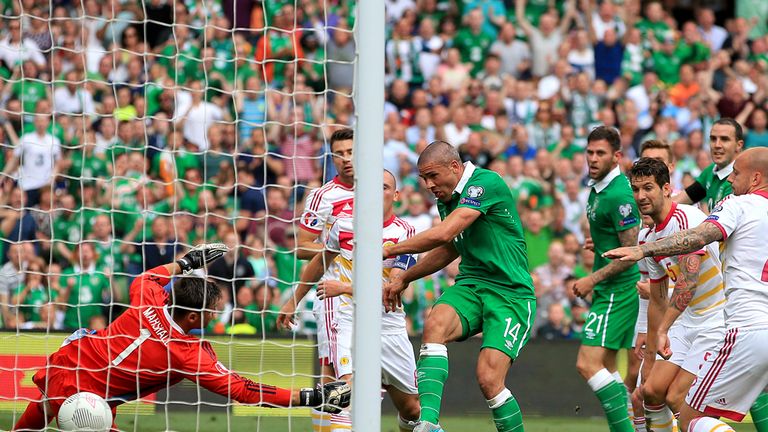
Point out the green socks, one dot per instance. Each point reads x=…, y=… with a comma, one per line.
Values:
x=613, y=398
x=759, y=412
x=506, y=412
x=431, y=373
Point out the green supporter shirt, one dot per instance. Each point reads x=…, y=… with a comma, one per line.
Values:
x=716, y=184
x=86, y=296
x=473, y=48
x=29, y=92
x=611, y=209
x=667, y=67
x=29, y=306
x=492, y=249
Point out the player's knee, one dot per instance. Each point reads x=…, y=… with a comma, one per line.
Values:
x=586, y=366
x=491, y=382
x=436, y=329
x=652, y=394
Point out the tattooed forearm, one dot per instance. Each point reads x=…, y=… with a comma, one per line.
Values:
x=626, y=238
x=687, y=281
x=683, y=242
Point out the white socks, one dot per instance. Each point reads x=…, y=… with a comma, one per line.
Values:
x=707, y=424
x=601, y=379
x=659, y=418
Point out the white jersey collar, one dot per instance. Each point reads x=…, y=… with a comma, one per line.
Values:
x=469, y=169
x=602, y=184
x=723, y=172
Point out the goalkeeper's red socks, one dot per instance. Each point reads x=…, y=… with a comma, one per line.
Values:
x=613, y=398
x=759, y=412
x=34, y=418
x=506, y=412
x=431, y=372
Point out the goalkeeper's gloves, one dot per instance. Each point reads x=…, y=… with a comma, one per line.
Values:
x=201, y=255
x=330, y=398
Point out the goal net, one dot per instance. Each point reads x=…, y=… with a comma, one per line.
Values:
x=132, y=131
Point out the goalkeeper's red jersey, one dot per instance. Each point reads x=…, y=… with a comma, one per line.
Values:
x=144, y=351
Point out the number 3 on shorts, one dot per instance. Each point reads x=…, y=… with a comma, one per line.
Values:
x=511, y=332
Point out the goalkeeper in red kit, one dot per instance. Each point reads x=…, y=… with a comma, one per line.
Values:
x=149, y=348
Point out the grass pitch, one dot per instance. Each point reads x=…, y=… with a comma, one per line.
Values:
x=190, y=422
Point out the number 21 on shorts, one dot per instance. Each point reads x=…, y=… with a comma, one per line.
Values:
x=591, y=320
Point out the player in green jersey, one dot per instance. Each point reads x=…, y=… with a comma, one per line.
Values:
x=726, y=140
x=493, y=293
x=613, y=220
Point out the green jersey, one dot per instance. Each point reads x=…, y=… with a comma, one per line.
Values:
x=29, y=92
x=611, y=209
x=32, y=301
x=492, y=249
x=715, y=181
x=473, y=48
x=86, y=297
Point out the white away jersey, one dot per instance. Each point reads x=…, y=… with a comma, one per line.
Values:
x=743, y=221
x=325, y=205
x=340, y=238
x=706, y=306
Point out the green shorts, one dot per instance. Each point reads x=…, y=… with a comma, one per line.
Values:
x=611, y=320
x=504, y=320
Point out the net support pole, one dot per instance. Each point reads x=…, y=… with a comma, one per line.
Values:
x=368, y=213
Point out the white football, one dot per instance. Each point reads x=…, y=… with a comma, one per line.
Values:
x=85, y=411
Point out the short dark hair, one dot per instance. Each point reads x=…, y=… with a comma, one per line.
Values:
x=734, y=124
x=439, y=151
x=656, y=144
x=650, y=167
x=193, y=294
x=606, y=133
x=345, y=134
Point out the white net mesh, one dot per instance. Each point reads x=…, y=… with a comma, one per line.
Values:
x=133, y=131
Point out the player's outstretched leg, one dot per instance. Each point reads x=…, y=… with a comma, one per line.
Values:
x=33, y=418
x=431, y=372
x=492, y=368
x=611, y=394
x=759, y=413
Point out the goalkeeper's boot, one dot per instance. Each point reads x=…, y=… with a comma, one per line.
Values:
x=425, y=426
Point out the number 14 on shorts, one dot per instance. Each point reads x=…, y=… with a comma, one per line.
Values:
x=511, y=331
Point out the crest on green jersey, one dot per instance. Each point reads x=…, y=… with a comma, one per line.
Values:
x=625, y=209
x=475, y=191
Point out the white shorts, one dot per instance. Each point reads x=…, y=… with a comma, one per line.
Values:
x=690, y=345
x=398, y=364
x=325, y=315
x=729, y=382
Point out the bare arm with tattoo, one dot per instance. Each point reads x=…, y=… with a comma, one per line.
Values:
x=585, y=285
x=685, y=289
x=679, y=243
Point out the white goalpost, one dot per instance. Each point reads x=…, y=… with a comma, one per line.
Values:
x=369, y=140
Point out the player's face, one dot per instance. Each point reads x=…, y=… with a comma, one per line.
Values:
x=649, y=196
x=601, y=158
x=390, y=194
x=342, y=159
x=660, y=155
x=210, y=315
x=723, y=145
x=742, y=179
x=441, y=179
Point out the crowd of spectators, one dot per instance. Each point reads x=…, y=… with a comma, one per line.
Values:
x=131, y=131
